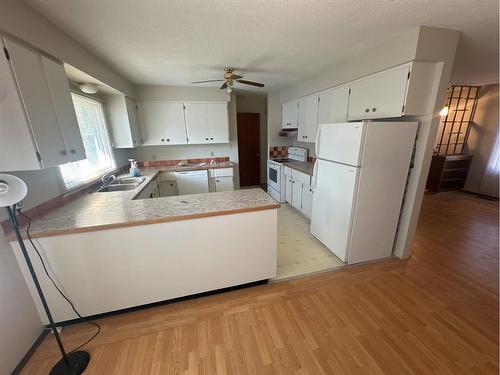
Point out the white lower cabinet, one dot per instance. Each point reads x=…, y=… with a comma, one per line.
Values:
x=151, y=190
x=307, y=200
x=168, y=188
x=224, y=184
x=298, y=191
x=221, y=179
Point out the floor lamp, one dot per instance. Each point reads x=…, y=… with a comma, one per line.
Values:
x=12, y=191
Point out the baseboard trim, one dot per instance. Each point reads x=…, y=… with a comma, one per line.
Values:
x=17, y=370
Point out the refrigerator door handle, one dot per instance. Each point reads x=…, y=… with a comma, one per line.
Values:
x=316, y=143
x=315, y=175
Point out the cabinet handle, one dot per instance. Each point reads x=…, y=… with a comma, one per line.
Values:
x=64, y=152
x=168, y=139
x=73, y=151
x=367, y=110
x=217, y=181
x=163, y=140
x=305, y=136
x=374, y=109
x=206, y=139
x=211, y=139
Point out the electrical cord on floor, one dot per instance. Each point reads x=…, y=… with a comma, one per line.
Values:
x=58, y=289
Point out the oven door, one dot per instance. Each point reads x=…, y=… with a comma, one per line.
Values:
x=274, y=176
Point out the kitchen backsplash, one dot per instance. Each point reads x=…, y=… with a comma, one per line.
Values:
x=276, y=152
x=159, y=163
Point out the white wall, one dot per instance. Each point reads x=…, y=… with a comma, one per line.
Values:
x=181, y=93
x=482, y=136
x=424, y=44
x=20, y=323
x=248, y=103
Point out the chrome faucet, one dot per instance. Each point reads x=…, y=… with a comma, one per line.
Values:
x=107, y=179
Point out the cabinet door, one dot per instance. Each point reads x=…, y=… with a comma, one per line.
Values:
x=133, y=122
x=290, y=114
x=162, y=123
x=17, y=150
x=332, y=105
x=297, y=194
x=65, y=110
x=197, y=123
x=380, y=95
x=308, y=118
x=168, y=188
x=224, y=184
x=35, y=94
x=288, y=188
x=218, y=124
x=307, y=199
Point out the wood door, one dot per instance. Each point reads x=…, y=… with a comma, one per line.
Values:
x=249, y=148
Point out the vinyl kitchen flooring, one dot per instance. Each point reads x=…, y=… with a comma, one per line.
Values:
x=435, y=313
x=299, y=252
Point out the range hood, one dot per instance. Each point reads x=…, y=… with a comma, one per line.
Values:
x=292, y=133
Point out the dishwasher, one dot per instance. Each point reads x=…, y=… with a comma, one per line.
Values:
x=192, y=182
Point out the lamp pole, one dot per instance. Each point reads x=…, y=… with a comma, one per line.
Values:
x=73, y=363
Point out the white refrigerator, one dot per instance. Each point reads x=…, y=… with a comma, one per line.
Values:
x=360, y=178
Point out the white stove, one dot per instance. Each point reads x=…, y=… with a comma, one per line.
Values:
x=276, y=172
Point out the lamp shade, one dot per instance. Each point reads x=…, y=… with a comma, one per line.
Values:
x=12, y=190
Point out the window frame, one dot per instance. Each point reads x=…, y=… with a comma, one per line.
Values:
x=77, y=184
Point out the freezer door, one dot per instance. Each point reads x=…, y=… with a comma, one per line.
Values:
x=341, y=142
x=333, y=205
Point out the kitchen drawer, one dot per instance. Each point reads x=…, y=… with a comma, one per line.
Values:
x=223, y=172
x=167, y=176
x=302, y=177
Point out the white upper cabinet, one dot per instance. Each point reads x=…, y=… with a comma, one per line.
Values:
x=308, y=118
x=207, y=122
x=65, y=111
x=197, y=123
x=218, y=122
x=35, y=89
x=332, y=105
x=290, y=114
x=162, y=123
x=17, y=150
x=37, y=100
x=123, y=120
x=395, y=92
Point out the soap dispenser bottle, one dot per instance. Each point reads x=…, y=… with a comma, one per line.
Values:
x=134, y=169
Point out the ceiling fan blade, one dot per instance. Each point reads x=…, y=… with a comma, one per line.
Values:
x=210, y=80
x=236, y=76
x=224, y=85
x=250, y=83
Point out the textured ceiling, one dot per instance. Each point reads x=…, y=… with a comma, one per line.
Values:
x=174, y=42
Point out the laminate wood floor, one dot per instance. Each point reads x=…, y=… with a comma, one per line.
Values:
x=434, y=313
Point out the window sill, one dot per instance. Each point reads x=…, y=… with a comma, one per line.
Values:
x=87, y=184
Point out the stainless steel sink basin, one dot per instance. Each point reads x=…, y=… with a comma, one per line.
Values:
x=129, y=181
x=122, y=184
x=117, y=187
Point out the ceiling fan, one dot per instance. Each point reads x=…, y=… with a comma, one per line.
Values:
x=229, y=79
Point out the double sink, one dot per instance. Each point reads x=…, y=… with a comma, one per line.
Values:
x=122, y=184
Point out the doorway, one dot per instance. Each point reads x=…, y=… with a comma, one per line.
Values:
x=249, y=148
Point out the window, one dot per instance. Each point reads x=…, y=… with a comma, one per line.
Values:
x=92, y=123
